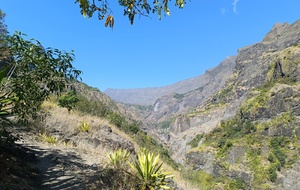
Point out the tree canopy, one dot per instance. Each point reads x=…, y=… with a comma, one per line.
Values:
x=131, y=8
x=68, y=100
x=29, y=73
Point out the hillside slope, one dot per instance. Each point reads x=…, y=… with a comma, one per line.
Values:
x=246, y=134
x=252, y=124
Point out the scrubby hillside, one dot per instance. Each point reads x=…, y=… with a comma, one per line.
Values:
x=251, y=126
x=68, y=150
x=246, y=134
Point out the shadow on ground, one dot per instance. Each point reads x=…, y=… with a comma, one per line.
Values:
x=61, y=170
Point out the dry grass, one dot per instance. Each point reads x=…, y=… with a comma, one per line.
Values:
x=60, y=119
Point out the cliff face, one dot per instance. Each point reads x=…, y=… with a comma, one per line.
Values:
x=240, y=127
x=252, y=125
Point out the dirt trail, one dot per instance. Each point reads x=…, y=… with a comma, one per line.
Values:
x=60, y=168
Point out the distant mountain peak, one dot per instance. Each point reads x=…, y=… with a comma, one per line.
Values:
x=148, y=96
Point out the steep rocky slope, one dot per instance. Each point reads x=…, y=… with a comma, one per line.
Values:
x=245, y=134
x=252, y=124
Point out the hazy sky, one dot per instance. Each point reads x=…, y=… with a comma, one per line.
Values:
x=150, y=53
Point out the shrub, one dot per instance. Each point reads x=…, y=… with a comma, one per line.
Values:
x=199, y=178
x=118, y=175
x=224, y=146
x=237, y=184
x=272, y=174
x=133, y=128
x=118, y=158
x=271, y=158
x=195, y=141
x=48, y=138
x=116, y=119
x=148, y=171
x=279, y=142
x=96, y=108
x=84, y=127
x=68, y=100
x=280, y=155
x=143, y=173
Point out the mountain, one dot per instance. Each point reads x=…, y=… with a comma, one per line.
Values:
x=148, y=96
x=239, y=128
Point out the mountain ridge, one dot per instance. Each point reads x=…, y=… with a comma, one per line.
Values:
x=148, y=96
x=245, y=115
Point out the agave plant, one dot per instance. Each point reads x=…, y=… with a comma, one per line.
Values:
x=118, y=158
x=148, y=170
x=5, y=106
x=121, y=177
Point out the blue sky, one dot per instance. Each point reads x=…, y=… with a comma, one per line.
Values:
x=150, y=53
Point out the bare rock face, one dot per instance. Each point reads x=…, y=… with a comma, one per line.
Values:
x=291, y=177
x=201, y=160
x=181, y=124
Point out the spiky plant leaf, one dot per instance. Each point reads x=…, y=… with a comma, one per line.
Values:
x=148, y=170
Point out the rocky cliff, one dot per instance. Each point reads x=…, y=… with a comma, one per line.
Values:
x=252, y=124
x=239, y=129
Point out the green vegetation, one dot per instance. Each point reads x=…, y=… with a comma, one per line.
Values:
x=29, y=74
x=231, y=129
x=205, y=181
x=243, y=132
x=148, y=142
x=238, y=183
x=48, y=138
x=131, y=9
x=195, y=141
x=86, y=106
x=199, y=178
x=33, y=74
x=285, y=120
x=148, y=170
x=277, y=156
x=120, y=121
x=284, y=63
x=221, y=97
x=224, y=145
x=144, y=173
x=266, y=154
x=251, y=107
x=117, y=172
x=130, y=127
x=118, y=159
x=142, y=139
x=84, y=127
x=68, y=100
x=272, y=174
